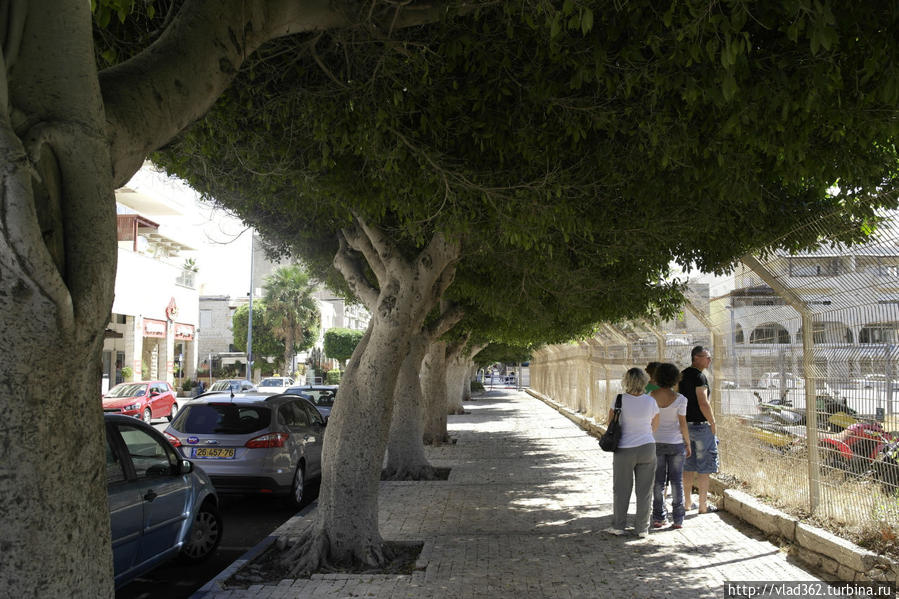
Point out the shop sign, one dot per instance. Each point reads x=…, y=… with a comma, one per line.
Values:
x=154, y=328
x=184, y=332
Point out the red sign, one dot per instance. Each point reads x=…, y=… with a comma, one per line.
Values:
x=154, y=328
x=184, y=332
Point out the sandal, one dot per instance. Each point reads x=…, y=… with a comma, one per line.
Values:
x=710, y=509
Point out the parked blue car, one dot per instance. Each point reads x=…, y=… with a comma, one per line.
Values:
x=161, y=506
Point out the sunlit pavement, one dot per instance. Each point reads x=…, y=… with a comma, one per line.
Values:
x=521, y=516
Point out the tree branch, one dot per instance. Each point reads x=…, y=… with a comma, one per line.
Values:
x=359, y=239
x=155, y=95
x=449, y=318
x=351, y=269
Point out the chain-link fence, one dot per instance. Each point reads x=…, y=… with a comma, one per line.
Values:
x=804, y=378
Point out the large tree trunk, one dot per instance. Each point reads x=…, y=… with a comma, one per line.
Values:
x=57, y=263
x=345, y=529
x=456, y=369
x=406, y=453
x=433, y=383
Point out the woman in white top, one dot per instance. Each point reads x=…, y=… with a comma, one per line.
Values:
x=635, y=459
x=672, y=447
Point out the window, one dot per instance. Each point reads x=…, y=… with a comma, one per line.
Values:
x=293, y=414
x=206, y=419
x=313, y=414
x=769, y=333
x=149, y=456
x=114, y=471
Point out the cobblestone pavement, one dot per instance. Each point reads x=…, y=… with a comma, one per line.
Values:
x=521, y=516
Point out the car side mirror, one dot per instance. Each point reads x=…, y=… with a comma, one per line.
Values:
x=186, y=467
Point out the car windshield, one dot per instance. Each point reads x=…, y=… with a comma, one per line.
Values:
x=127, y=390
x=225, y=386
x=270, y=383
x=226, y=419
x=321, y=397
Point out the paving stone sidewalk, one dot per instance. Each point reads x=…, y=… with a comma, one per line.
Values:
x=521, y=516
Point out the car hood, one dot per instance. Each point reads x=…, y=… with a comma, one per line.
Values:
x=121, y=402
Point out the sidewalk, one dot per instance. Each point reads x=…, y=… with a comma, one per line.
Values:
x=521, y=516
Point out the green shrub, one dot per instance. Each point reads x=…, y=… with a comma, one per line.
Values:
x=333, y=377
x=476, y=386
x=126, y=373
x=187, y=385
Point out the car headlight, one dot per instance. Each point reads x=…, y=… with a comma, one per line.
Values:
x=133, y=406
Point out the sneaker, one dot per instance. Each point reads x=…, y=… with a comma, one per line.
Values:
x=643, y=534
x=657, y=524
x=677, y=526
x=614, y=531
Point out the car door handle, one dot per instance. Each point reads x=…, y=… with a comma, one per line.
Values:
x=151, y=495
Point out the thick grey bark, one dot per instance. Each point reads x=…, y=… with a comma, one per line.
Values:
x=405, y=452
x=455, y=377
x=433, y=384
x=345, y=528
x=57, y=253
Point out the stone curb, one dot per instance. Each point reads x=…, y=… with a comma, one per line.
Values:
x=814, y=546
x=217, y=584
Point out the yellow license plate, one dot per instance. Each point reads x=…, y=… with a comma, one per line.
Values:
x=214, y=453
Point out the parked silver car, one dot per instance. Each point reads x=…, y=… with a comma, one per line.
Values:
x=252, y=442
x=160, y=505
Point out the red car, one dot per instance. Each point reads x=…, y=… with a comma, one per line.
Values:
x=145, y=400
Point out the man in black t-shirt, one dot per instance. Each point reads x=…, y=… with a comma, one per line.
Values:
x=703, y=433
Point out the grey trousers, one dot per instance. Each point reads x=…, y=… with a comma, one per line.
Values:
x=629, y=466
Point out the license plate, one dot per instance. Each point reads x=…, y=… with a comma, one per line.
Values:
x=214, y=453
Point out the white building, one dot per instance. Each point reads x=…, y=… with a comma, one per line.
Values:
x=853, y=296
x=153, y=326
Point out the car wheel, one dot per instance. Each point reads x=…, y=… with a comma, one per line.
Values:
x=205, y=535
x=148, y=416
x=299, y=487
x=173, y=411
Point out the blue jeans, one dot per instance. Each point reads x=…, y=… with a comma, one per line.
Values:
x=669, y=467
x=704, y=458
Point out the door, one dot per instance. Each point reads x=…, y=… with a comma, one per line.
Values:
x=125, y=509
x=315, y=436
x=165, y=494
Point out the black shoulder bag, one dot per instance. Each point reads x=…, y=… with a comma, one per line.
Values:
x=609, y=440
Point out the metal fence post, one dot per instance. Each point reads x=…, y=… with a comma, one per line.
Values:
x=808, y=363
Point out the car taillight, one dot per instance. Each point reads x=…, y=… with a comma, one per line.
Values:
x=268, y=440
x=172, y=439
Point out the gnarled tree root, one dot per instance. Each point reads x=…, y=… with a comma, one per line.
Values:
x=314, y=552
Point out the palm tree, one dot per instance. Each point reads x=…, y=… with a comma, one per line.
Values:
x=293, y=310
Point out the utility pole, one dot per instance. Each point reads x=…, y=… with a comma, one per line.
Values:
x=250, y=316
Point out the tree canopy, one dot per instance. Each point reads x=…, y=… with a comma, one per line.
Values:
x=576, y=149
x=340, y=343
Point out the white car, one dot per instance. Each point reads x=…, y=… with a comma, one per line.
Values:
x=274, y=384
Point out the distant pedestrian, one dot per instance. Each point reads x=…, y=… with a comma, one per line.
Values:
x=201, y=388
x=634, y=462
x=703, y=433
x=651, y=371
x=672, y=447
